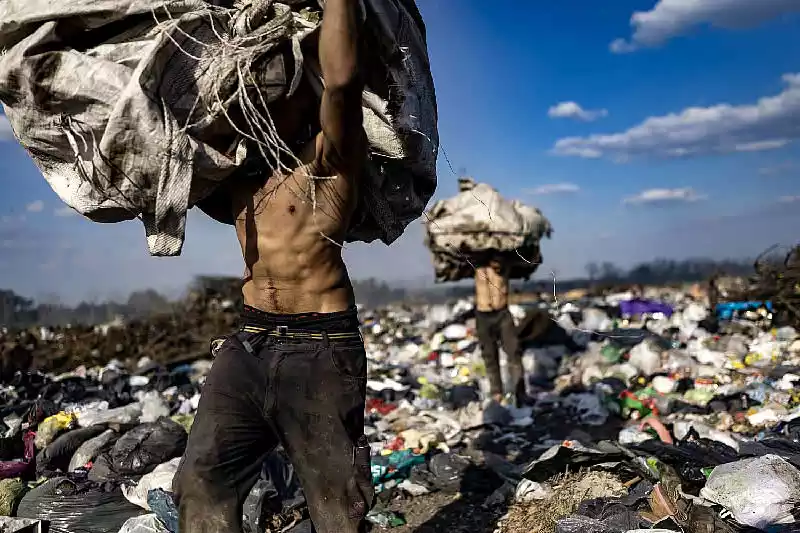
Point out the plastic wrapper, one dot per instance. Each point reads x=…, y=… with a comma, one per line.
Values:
x=759, y=492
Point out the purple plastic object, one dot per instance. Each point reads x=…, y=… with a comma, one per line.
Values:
x=12, y=469
x=644, y=307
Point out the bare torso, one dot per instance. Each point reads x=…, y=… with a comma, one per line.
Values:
x=292, y=250
x=491, y=289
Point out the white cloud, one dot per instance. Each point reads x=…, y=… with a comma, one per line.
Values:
x=770, y=123
x=789, y=199
x=35, y=207
x=5, y=129
x=671, y=18
x=553, y=188
x=65, y=211
x=574, y=111
x=665, y=196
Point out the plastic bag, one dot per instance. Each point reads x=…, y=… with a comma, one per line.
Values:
x=160, y=478
x=645, y=358
x=153, y=407
x=570, y=457
x=278, y=491
x=759, y=492
x=148, y=523
x=12, y=469
x=58, y=454
x=121, y=415
x=146, y=446
x=51, y=427
x=90, y=449
x=163, y=506
x=77, y=508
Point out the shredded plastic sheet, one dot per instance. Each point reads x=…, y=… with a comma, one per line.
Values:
x=148, y=523
x=141, y=108
x=479, y=223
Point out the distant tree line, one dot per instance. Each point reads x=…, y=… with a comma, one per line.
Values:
x=18, y=311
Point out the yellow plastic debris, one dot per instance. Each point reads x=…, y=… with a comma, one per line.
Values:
x=51, y=426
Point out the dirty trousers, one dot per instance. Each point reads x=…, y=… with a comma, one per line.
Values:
x=497, y=327
x=295, y=380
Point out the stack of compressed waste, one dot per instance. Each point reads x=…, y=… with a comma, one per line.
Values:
x=478, y=225
x=642, y=420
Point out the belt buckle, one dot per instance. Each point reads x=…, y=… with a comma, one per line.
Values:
x=282, y=330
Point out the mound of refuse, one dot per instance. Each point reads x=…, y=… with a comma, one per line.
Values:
x=642, y=419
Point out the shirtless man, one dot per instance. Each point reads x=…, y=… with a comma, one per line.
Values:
x=495, y=323
x=295, y=373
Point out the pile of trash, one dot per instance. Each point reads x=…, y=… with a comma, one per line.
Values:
x=478, y=224
x=649, y=413
x=167, y=338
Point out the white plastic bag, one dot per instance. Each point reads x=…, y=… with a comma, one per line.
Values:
x=645, y=358
x=160, y=478
x=148, y=523
x=759, y=492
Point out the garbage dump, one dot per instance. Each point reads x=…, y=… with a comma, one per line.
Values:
x=641, y=419
x=479, y=222
x=151, y=104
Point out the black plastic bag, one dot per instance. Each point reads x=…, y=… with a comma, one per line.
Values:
x=146, y=446
x=561, y=459
x=103, y=470
x=78, y=507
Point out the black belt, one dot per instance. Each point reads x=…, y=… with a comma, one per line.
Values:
x=285, y=332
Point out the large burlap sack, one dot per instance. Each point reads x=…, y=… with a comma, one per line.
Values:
x=477, y=225
x=141, y=108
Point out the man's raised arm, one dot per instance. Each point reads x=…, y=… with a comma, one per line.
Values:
x=342, y=144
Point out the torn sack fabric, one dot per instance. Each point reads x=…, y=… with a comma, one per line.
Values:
x=142, y=108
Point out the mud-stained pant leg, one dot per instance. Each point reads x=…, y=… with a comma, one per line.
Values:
x=228, y=442
x=319, y=414
x=513, y=349
x=487, y=339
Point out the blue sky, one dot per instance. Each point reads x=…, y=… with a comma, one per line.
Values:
x=641, y=128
